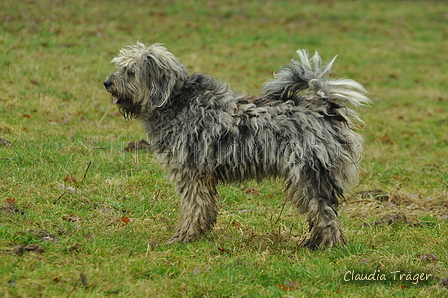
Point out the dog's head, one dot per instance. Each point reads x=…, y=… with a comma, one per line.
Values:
x=145, y=78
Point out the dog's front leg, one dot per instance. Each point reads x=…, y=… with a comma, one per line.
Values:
x=198, y=207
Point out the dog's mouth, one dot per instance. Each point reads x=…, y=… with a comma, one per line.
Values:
x=125, y=107
x=124, y=104
x=116, y=99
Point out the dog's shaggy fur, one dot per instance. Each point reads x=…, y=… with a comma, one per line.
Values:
x=299, y=128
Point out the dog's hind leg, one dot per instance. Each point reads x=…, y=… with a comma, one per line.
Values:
x=315, y=193
x=325, y=229
x=198, y=207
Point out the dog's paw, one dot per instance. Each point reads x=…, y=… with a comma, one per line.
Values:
x=172, y=241
x=181, y=238
x=316, y=242
x=307, y=243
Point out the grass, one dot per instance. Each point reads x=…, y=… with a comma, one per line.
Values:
x=98, y=217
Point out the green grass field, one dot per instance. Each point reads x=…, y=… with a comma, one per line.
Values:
x=79, y=217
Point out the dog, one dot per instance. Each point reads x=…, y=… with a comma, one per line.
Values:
x=300, y=128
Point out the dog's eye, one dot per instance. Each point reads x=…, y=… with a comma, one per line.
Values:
x=130, y=72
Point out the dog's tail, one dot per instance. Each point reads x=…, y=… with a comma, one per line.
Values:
x=308, y=80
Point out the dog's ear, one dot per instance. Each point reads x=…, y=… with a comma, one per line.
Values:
x=161, y=77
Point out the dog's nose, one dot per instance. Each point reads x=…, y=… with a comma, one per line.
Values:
x=107, y=83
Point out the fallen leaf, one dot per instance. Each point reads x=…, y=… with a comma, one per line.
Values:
x=244, y=210
x=292, y=284
x=430, y=258
x=390, y=219
x=71, y=190
x=289, y=285
x=125, y=219
x=284, y=287
x=26, y=116
x=236, y=224
x=20, y=249
x=385, y=139
x=223, y=249
x=138, y=145
x=252, y=191
x=11, y=207
x=3, y=142
x=11, y=202
x=69, y=178
x=71, y=218
x=34, y=82
x=444, y=283
x=107, y=210
x=74, y=248
x=83, y=279
x=44, y=235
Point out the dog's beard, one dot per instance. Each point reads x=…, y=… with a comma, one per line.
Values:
x=126, y=107
x=127, y=113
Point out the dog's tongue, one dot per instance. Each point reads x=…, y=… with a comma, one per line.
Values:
x=116, y=99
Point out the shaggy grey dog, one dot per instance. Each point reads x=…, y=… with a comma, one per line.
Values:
x=299, y=128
